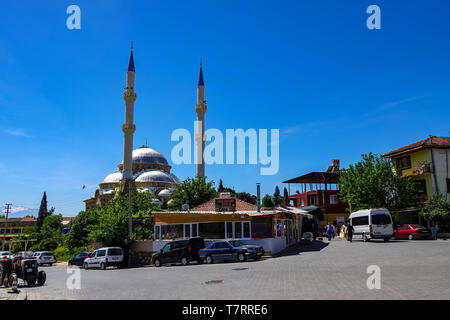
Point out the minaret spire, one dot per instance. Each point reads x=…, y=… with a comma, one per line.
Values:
x=128, y=127
x=200, y=137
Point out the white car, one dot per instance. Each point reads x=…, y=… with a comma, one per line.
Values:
x=44, y=257
x=104, y=257
x=6, y=254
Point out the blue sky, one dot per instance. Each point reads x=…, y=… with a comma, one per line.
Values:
x=311, y=69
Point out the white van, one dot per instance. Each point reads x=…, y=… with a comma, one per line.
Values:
x=372, y=224
x=104, y=257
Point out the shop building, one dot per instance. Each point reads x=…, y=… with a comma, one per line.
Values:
x=228, y=218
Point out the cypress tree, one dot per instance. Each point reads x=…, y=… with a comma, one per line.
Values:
x=43, y=212
x=276, y=197
x=286, y=197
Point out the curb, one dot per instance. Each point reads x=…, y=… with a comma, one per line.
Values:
x=22, y=295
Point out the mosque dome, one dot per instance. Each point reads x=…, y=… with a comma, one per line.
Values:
x=164, y=193
x=148, y=155
x=114, y=177
x=155, y=176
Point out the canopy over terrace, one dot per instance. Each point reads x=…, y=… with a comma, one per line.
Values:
x=315, y=179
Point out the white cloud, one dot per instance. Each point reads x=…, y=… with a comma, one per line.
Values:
x=18, y=133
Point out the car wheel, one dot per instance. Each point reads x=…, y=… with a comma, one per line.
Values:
x=85, y=266
x=209, y=259
x=41, y=278
x=364, y=237
x=184, y=261
x=410, y=237
x=102, y=266
x=386, y=239
x=200, y=261
x=241, y=257
x=258, y=258
x=157, y=263
x=50, y=264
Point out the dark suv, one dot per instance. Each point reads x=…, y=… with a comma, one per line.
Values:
x=179, y=251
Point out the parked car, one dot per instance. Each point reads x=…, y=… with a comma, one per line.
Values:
x=413, y=231
x=6, y=255
x=24, y=254
x=372, y=224
x=179, y=251
x=254, y=251
x=78, y=259
x=223, y=250
x=104, y=257
x=44, y=257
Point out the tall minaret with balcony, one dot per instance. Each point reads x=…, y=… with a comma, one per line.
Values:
x=128, y=127
x=200, y=109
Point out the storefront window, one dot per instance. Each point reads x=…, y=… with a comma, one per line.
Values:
x=212, y=230
x=262, y=227
x=171, y=231
x=157, y=230
x=246, y=229
x=187, y=230
x=238, y=230
x=230, y=230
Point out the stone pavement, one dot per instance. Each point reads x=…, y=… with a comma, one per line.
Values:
x=323, y=270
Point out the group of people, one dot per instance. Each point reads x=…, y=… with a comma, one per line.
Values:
x=332, y=231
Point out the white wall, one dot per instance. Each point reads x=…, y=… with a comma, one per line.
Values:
x=442, y=170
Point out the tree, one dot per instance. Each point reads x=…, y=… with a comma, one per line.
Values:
x=78, y=235
x=267, y=201
x=192, y=191
x=437, y=209
x=277, y=197
x=43, y=212
x=220, y=188
x=286, y=196
x=51, y=233
x=247, y=197
x=112, y=226
x=371, y=183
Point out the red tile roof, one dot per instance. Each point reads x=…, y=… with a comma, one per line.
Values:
x=431, y=142
x=211, y=205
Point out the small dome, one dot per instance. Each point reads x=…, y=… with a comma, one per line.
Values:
x=148, y=156
x=154, y=176
x=114, y=177
x=164, y=193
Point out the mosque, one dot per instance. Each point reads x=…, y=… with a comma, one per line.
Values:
x=145, y=168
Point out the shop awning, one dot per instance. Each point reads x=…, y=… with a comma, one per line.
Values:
x=294, y=210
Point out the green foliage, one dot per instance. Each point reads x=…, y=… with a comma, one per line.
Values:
x=51, y=233
x=371, y=183
x=277, y=196
x=62, y=254
x=112, y=226
x=437, y=209
x=267, y=201
x=193, y=191
x=82, y=225
x=43, y=212
x=27, y=234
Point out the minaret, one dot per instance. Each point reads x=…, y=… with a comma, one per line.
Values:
x=128, y=127
x=200, y=109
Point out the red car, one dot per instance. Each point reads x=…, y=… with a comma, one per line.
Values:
x=412, y=231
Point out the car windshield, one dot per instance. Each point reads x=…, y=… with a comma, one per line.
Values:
x=378, y=219
x=47, y=254
x=236, y=243
x=5, y=253
x=418, y=226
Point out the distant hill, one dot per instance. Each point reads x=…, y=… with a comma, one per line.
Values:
x=21, y=211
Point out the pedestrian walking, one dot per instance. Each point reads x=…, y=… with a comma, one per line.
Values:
x=329, y=231
x=350, y=232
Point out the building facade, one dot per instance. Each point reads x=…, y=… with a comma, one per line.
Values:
x=319, y=191
x=427, y=163
x=228, y=218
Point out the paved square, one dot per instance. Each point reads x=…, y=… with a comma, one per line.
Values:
x=323, y=270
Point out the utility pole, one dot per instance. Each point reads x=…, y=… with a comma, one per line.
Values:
x=8, y=206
